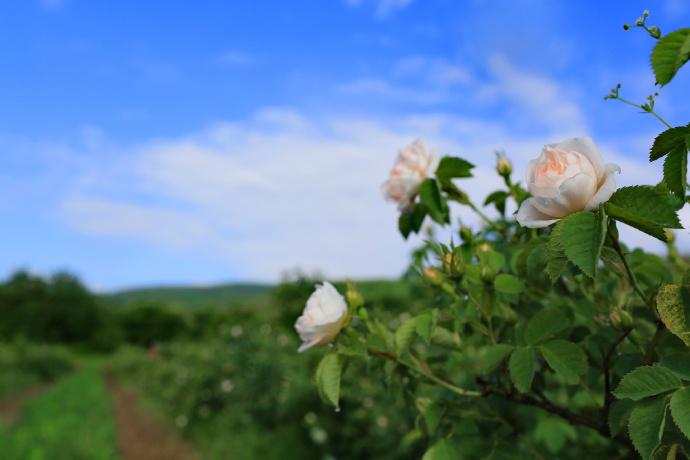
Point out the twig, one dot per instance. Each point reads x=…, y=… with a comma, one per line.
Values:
x=649, y=353
x=608, y=395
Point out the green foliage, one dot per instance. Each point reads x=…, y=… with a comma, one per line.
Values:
x=647, y=381
x=434, y=203
x=669, y=55
x=671, y=310
x=442, y=450
x=523, y=365
x=151, y=323
x=508, y=284
x=411, y=220
x=566, y=359
x=680, y=410
x=328, y=378
x=453, y=167
x=646, y=425
x=582, y=236
x=644, y=207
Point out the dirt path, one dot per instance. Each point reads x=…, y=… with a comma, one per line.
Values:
x=141, y=436
x=11, y=406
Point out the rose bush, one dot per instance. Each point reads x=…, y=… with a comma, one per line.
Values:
x=323, y=317
x=547, y=337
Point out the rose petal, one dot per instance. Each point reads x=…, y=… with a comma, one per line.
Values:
x=584, y=145
x=606, y=189
x=573, y=195
x=531, y=217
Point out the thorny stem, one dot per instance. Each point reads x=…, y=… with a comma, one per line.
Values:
x=625, y=101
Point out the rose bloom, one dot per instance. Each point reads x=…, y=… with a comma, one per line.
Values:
x=323, y=317
x=414, y=164
x=567, y=177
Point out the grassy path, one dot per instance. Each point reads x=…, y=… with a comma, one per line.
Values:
x=11, y=406
x=140, y=436
x=70, y=421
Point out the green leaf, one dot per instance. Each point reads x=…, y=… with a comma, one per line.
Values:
x=453, y=167
x=442, y=450
x=582, y=235
x=676, y=170
x=432, y=412
x=328, y=375
x=669, y=54
x=646, y=425
x=646, y=381
x=405, y=335
x=619, y=413
x=411, y=220
x=644, y=207
x=425, y=325
x=669, y=304
x=668, y=141
x=492, y=356
x=498, y=198
x=679, y=363
x=545, y=324
x=566, y=358
x=680, y=410
x=430, y=197
x=508, y=284
x=522, y=366
x=556, y=260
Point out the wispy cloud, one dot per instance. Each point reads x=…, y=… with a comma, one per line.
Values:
x=52, y=5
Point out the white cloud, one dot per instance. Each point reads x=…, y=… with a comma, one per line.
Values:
x=384, y=89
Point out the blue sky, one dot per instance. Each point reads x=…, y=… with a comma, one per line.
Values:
x=164, y=142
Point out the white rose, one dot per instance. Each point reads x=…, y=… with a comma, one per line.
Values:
x=566, y=178
x=414, y=164
x=323, y=317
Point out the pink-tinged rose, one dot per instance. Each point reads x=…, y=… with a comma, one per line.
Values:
x=323, y=317
x=567, y=177
x=414, y=164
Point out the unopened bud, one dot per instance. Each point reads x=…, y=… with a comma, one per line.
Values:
x=354, y=298
x=433, y=276
x=645, y=13
x=626, y=26
x=503, y=164
x=639, y=21
x=484, y=247
x=466, y=233
x=655, y=32
x=363, y=314
x=620, y=319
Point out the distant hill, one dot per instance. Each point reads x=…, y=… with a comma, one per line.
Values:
x=195, y=296
x=240, y=293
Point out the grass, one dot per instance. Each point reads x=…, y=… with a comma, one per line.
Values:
x=72, y=421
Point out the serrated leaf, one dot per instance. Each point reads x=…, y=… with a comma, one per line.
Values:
x=492, y=356
x=669, y=304
x=405, y=334
x=545, y=324
x=678, y=362
x=646, y=425
x=425, y=325
x=619, y=413
x=430, y=197
x=453, y=167
x=680, y=410
x=522, y=366
x=669, y=54
x=328, y=375
x=508, y=284
x=582, y=235
x=442, y=450
x=644, y=207
x=566, y=358
x=676, y=170
x=666, y=452
x=668, y=141
x=556, y=260
x=646, y=381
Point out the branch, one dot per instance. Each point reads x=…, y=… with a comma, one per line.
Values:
x=608, y=395
x=649, y=354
